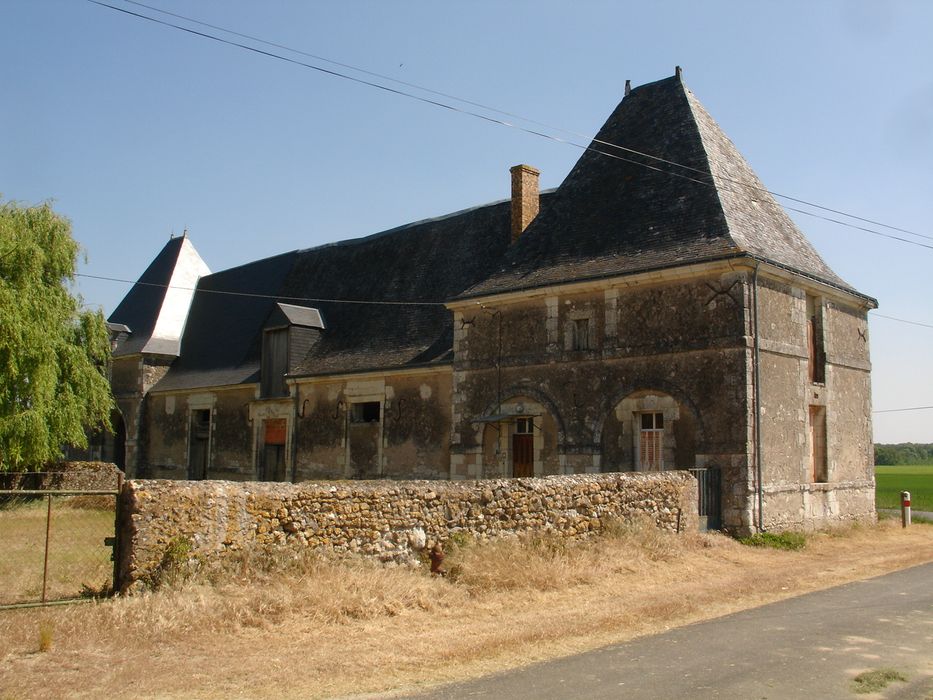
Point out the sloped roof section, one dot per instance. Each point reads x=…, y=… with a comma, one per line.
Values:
x=619, y=212
x=421, y=265
x=379, y=300
x=156, y=308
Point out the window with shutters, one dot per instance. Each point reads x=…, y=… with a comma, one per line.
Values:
x=651, y=442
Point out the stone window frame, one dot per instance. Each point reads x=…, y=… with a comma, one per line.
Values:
x=815, y=315
x=573, y=318
x=629, y=411
x=352, y=399
x=818, y=441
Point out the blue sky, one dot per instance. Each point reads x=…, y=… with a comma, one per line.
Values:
x=136, y=131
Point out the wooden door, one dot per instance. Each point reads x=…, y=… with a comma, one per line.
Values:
x=199, y=444
x=651, y=442
x=272, y=459
x=523, y=455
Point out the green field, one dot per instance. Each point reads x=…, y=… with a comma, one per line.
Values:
x=916, y=478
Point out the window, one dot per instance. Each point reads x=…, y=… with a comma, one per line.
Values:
x=580, y=329
x=365, y=412
x=816, y=353
x=651, y=442
x=524, y=426
x=199, y=438
x=818, y=458
x=274, y=363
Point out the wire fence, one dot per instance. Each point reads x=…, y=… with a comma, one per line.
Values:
x=56, y=545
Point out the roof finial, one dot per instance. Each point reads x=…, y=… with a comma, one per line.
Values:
x=678, y=73
x=185, y=233
x=628, y=87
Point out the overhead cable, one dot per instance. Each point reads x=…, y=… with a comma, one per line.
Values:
x=502, y=122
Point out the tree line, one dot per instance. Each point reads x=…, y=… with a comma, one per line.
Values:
x=903, y=453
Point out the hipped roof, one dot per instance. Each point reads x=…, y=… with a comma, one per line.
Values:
x=679, y=192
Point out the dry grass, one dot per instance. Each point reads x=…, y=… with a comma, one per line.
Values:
x=78, y=559
x=307, y=626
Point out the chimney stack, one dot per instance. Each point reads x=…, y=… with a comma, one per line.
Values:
x=524, y=198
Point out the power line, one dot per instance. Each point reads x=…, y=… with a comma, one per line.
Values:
x=501, y=122
x=201, y=290
x=897, y=410
x=489, y=108
x=332, y=301
x=903, y=320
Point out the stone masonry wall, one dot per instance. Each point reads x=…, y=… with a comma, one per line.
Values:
x=391, y=521
x=65, y=476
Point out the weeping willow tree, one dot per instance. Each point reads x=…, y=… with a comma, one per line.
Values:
x=53, y=354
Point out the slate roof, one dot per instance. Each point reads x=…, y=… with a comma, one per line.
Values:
x=427, y=261
x=303, y=316
x=614, y=216
x=155, y=309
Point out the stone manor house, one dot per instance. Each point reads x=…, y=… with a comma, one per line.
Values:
x=657, y=310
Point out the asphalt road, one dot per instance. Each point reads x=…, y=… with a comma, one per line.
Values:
x=806, y=647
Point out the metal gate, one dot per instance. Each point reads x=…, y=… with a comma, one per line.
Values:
x=710, y=500
x=56, y=546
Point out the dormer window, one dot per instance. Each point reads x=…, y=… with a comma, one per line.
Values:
x=289, y=333
x=274, y=362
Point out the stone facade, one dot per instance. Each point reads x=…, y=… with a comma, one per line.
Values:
x=794, y=496
x=392, y=521
x=625, y=321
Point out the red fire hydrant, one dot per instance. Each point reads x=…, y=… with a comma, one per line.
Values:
x=437, y=560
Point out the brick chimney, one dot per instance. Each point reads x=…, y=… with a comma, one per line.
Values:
x=524, y=198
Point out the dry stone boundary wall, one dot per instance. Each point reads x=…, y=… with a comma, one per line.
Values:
x=392, y=521
x=66, y=476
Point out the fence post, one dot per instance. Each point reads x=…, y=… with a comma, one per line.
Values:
x=116, y=534
x=48, y=528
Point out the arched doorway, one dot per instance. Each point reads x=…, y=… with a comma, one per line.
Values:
x=520, y=440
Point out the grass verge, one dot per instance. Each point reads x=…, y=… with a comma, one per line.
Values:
x=875, y=681
x=788, y=541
